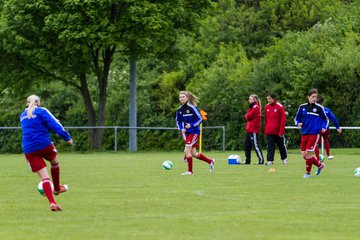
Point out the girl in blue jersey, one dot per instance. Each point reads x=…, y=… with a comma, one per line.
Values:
x=188, y=119
x=310, y=117
x=325, y=135
x=36, y=123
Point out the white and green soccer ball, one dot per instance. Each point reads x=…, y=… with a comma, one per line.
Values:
x=41, y=190
x=321, y=157
x=357, y=172
x=167, y=165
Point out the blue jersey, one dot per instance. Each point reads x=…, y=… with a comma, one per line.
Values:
x=36, y=131
x=331, y=117
x=188, y=113
x=313, y=118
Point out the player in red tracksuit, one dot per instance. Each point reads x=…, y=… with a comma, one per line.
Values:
x=275, y=120
x=253, y=125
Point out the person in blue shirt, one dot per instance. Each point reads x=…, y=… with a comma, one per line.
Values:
x=325, y=135
x=188, y=120
x=310, y=117
x=36, y=123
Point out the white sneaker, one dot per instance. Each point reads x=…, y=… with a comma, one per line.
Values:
x=284, y=161
x=268, y=163
x=330, y=157
x=212, y=165
x=187, y=173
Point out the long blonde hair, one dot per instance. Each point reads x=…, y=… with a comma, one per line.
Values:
x=257, y=99
x=32, y=103
x=192, y=99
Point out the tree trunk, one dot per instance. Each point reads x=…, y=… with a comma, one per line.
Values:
x=102, y=75
x=91, y=115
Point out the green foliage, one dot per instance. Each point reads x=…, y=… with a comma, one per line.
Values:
x=240, y=48
x=224, y=88
x=75, y=42
x=255, y=25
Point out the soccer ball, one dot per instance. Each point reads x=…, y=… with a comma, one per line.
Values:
x=357, y=172
x=321, y=157
x=167, y=165
x=40, y=188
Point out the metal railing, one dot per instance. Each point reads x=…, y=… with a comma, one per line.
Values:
x=163, y=128
x=126, y=127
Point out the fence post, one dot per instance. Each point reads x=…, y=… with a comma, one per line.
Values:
x=223, y=142
x=115, y=139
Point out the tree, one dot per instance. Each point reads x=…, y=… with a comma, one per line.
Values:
x=75, y=42
x=223, y=89
x=255, y=24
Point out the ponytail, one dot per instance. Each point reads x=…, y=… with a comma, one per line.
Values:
x=32, y=103
x=257, y=99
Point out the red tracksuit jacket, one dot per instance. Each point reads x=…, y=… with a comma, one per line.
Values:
x=275, y=119
x=253, y=118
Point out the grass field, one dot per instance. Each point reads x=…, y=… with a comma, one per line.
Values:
x=129, y=196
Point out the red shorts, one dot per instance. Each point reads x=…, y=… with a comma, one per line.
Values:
x=325, y=134
x=309, y=142
x=191, y=140
x=36, y=159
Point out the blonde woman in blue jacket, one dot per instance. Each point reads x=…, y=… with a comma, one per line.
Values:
x=36, y=123
x=188, y=120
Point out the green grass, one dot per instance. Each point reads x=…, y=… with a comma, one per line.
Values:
x=129, y=196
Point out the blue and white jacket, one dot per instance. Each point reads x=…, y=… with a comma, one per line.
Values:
x=36, y=131
x=188, y=113
x=313, y=118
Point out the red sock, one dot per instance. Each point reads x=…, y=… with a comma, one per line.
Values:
x=190, y=163
x=328, y=152
x=317, y=153
x=308, y=165
x=47, y=190
x=327, y=147
x=204, y=158
x=55, y=174
x=315, y=162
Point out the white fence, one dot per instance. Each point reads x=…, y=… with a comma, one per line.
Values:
x=322, y=140
x=115, y=128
